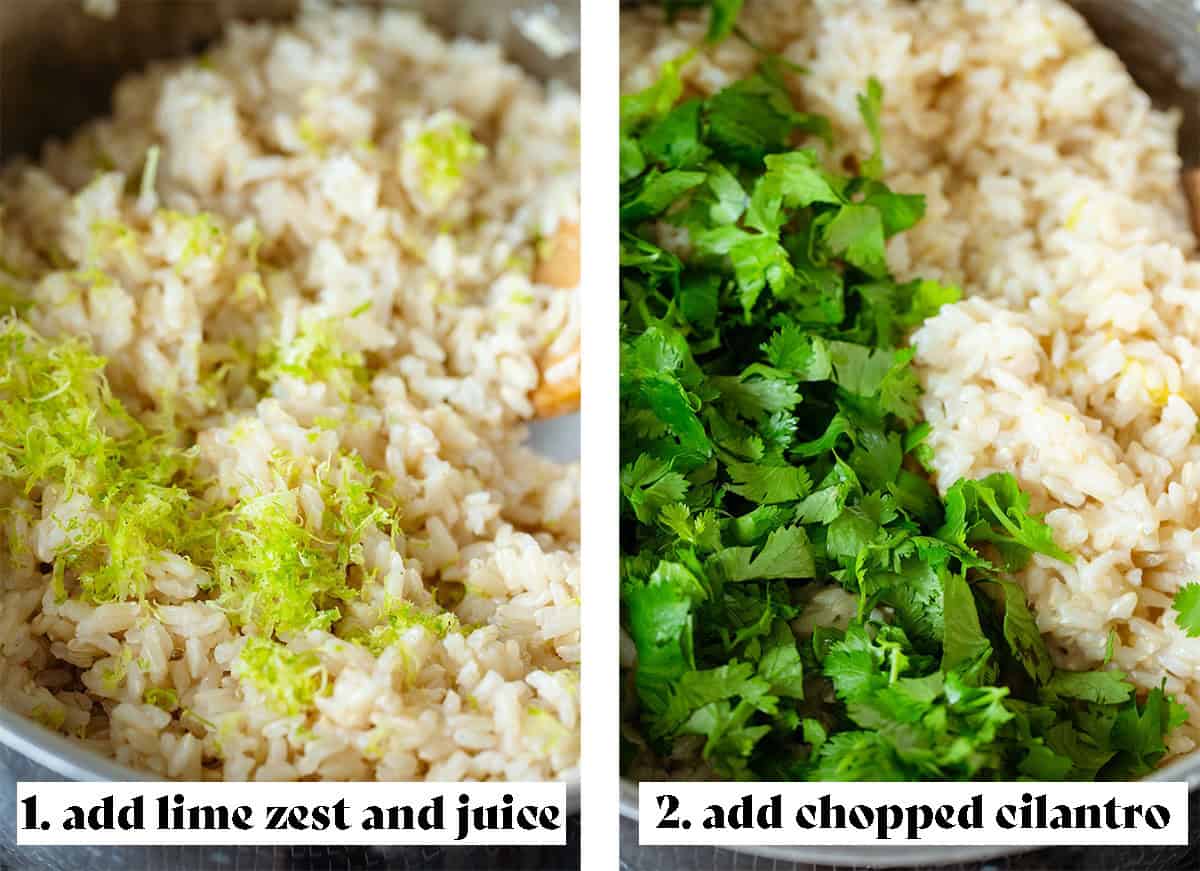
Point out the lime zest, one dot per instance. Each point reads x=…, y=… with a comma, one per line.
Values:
x=399, y=616
x=315, y=354
x=61, y=428
x=52, y=716
x=442, y=154
x=206, y=237
x=161, y=697
x=281, y=571
x=546, y=728
x=312, y=138
x=288, y=681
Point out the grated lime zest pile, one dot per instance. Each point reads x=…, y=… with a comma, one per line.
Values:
x=288, y=681
x=315, y=354
x=443, y=153
x=126, y=495
x=399, y=617
x=282, y=572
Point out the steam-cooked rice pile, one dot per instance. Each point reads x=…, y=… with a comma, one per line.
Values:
x=1054, y=200
x=311, y=255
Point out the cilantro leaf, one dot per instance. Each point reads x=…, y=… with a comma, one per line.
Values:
x=722, y=18
x=1022, y=635
x=803, y=355
x=750, y=119
x=656, y=100
x=792, y=180
x=995, y=510
x=870, y=105
x=780, y=664
x=1138, y=731
x=1187, y=609
x=658, y=191
x=854, y=665
x=660, y=623
x=916, y=594
x=1102, y=687
x=856, y=234
x=648, y=485
x=767, y=484
x=674, y=140
x=786, y=554
x=964, y=642
x=774, y=467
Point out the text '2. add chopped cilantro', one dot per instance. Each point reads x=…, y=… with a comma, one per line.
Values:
x=772, y=449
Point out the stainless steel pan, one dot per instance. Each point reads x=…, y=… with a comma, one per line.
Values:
x=1159, y=41
x=57, y=69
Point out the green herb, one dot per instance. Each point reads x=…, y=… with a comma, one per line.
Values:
x=1187, y=609
x=771, y=446
x=722, y=15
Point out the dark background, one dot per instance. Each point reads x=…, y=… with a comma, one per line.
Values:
x=289, y=858
x=13, y=858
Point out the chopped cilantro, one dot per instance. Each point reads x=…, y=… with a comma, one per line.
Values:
x=1187, y=609
x=722, y=14
x=771, y=445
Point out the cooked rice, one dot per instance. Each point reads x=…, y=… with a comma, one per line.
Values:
x=294, y=139
x=1054, y=201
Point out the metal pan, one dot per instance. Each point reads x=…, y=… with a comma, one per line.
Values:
x=58, y=67
x=1159, y=42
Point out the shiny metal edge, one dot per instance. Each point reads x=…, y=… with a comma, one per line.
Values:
x=71, y=760
x=63, y=756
